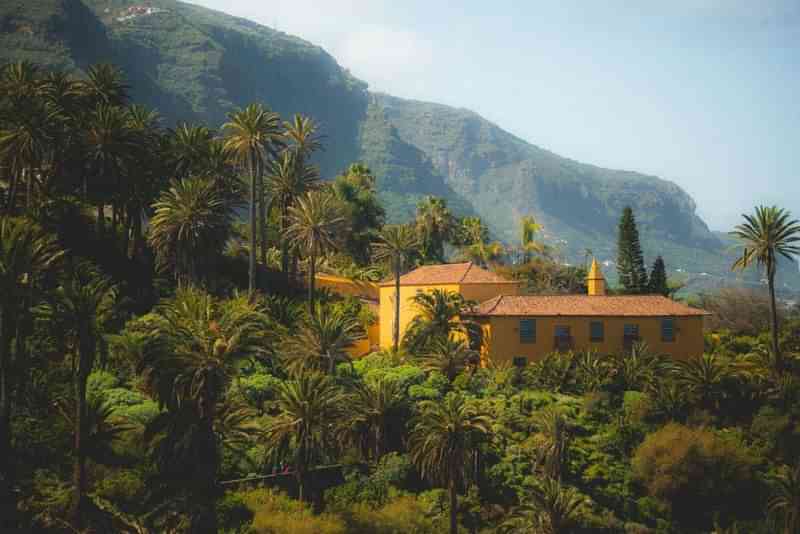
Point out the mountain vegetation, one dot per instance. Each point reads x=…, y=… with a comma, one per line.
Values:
x=196, y=65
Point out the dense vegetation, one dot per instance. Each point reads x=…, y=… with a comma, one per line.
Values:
x=194, y=64
x=163, y=368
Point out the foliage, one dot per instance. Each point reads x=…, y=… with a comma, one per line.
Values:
x=630, y=262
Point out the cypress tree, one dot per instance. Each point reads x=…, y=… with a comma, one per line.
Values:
x=658, y=278
x=630, y=262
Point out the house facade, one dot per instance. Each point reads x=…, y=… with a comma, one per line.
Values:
x=472, y=282
x=523, y=328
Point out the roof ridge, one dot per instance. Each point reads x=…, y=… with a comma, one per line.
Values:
x=497, y=300
x=464, y=276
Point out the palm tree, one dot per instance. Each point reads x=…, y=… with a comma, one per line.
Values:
x=302, y=134
x=397, y=244
x=188, y=147
x=475, y=244
x=322, y=340
x=375, y=408
x=449, y=356
x=766, y=235
x=83, y=305
x=287, y=181
x=110, y=145
x=316, y=226
x=105, y=84
x=439, y=314
x=435, y=225
x=26, y=254
x=191, y=357
x=444, y=438
x=529, y=228
x=252, y=135
x=307, y=405
x=784, y=505
x=192, y=222
x=638, y=369
x=703, y=378
x=553, y=441
x=552, y=510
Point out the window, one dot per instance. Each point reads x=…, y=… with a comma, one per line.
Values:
x=631, y=331
x=596, y=331
x=562, y=331
x=520, y=361
x=668, y=329
x=527, y=331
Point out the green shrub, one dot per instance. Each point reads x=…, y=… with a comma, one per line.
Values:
x=98, y=384
x=402, y=515
x=275, y=513
x=695, y=471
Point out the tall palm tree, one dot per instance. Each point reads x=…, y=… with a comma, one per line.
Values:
x=26, y=254
x=110, y=145
x=191, y=357
x=316, y=225
x=551, y=509
x=444, y=438
x=638, y=369
x=83, y=306
x=307, y=405
x=252, y=135
x=192, y=222
x=765, y=235
x=375, y=407
x=449, y=356
x=287, y=181
x=322, y=340
x=397, y=244
x=439, y=314
x=784, y=505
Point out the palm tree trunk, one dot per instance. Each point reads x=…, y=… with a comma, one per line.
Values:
x=262, y=219
x=312, y=267
x=79, y=466
x=284, y=243
x=773, y=312
x=396, y=325
x=453, y=507
x=8, y=505
x=253, y=229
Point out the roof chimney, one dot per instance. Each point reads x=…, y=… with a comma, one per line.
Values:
x=595, y=281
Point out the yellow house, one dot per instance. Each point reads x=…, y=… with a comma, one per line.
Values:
x=525, y=328
x=471, y=281
x=368, y=293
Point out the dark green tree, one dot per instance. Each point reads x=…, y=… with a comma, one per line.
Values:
x=657, y=285
x=630, y=262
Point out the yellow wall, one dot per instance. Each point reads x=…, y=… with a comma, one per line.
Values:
x=501, y=336
x=347, y=287
x=407, y=309
x=368, y=344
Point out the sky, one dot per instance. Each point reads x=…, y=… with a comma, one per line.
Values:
x=705, y=93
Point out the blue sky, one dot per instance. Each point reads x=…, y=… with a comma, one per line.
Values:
x=705, y=93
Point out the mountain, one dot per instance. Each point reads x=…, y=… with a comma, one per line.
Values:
x=195, y=64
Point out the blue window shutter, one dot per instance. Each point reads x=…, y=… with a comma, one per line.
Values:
x=596, y=331
x=668, y=329
x=527, y=331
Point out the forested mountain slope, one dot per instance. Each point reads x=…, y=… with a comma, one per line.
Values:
x=194, y=64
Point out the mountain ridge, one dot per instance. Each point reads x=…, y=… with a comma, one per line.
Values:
x=197, y=64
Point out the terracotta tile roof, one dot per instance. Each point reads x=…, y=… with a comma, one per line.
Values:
x=585, y=306
x=449, y=273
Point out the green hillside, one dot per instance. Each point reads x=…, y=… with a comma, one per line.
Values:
x=194, y=64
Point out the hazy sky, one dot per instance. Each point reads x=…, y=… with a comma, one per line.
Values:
x=705, y=93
